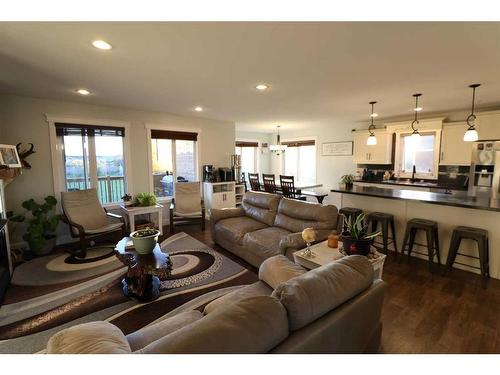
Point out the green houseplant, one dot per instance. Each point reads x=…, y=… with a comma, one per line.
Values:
x=145, y=200
x=42, y=224
x=347, y=180
x=355, y=238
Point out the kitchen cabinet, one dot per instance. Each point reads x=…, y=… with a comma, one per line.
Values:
x=454, y=151
x=219, y=195
x=381, y=153
x=488, y=125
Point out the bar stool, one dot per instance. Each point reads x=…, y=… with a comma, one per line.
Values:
x=431, y=231
x=386, y=221
x=350, y=213
x=475, y=234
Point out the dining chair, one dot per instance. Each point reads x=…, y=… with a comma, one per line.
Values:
x=254, y=181
x=269, y=183
x=288, y=188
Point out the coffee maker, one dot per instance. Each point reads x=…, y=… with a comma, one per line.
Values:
x=208, y=173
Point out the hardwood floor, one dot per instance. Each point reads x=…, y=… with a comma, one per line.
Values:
x=424, y=312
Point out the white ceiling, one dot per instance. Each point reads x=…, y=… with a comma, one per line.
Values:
x=319, y=73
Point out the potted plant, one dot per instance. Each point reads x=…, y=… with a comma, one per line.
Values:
x=127, y=200
x=347, y=180
x=356, y=239
x=42, y=225
x=145, y=240
x=145, y=200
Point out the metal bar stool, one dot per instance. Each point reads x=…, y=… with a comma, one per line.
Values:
x=386, y=222
x=431, y=231
x=349, y=213
x=481, y=238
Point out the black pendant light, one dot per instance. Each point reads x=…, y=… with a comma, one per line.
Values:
x=471, y=133
x=415, y=122
x=372, y=140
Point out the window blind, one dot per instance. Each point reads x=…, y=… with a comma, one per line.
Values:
x=246, y=144
x=299, y=143
x=90, y=130
x=169, y=134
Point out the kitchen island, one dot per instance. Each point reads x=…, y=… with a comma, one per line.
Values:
x=447, y=210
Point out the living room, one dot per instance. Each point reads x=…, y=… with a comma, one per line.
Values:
x=312, y=186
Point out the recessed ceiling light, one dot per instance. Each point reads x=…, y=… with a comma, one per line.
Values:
x=262, y=87
x=101, y=44
x=198, y=109
x=83, y=92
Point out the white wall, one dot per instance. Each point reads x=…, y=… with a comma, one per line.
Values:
x=22, y=119
x=264, y=158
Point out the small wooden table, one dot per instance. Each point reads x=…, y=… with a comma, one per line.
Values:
x=322, y=254
x=130, y=212
x=144, y=271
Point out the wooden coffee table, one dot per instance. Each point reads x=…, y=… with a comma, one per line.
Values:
x=144, y=271
x=322, y=254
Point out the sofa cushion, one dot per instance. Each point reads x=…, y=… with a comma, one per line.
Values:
x=253, y=325
x=315, y=293
x=279, y=269
x=235, y=228
x=258, y=288
x=146, y=335
x=89, y=338
x=261, y=206
x=295, y=215
x=265, y=242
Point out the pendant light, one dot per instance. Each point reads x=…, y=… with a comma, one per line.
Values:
x=372, y=140
x=414, y=124
x=278, y=147
x=471, y=133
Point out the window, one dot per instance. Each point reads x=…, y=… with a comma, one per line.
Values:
x=93, y=156
x=300, y=161
x=421, y=152
x=248, y=152
x=173, y=157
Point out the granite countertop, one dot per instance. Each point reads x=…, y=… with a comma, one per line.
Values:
x=461, y=200
x=421, y=183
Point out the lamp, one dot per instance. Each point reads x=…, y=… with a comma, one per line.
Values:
x=278, y=147
x=372, y=140
x=415, y=122
x=471, y=133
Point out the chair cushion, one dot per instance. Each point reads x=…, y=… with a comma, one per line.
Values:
x=261, y=206
x=235, y=228
x=146, y=335
x=108, y=228
x=295, y=215
x=89, y=338
x=265, y=242
x=253, y=325
x=83, y=207
x=313, y=294
x=187, y=197
x=258, y=288
x=279, y=269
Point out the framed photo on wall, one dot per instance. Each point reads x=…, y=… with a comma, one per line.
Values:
x=9, y=156
x=337, y=148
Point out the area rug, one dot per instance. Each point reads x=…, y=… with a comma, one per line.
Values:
x=54, y=292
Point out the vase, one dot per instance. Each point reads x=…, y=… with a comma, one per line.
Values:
x=145, y=245
x=356, y=247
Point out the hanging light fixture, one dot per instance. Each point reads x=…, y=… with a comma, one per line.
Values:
x=372, y=140
x=471, y=133
x=414, y=124
x=278, y=147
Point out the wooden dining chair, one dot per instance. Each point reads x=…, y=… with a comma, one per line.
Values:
x=288, y=188
x=254, y=181
x=269, y=183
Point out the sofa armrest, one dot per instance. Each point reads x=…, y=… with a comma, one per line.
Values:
x=294, y=241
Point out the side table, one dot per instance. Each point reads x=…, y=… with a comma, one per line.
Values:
x=131, y=212
x=144, y=270
x=322, y=254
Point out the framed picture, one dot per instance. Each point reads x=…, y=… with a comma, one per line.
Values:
x=9, y=156
x=337, y=148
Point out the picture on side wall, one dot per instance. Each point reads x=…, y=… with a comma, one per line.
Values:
x=337, y=148
x=9, y=156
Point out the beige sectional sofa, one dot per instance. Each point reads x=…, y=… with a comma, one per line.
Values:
x=268, y=225
x=335, y=308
